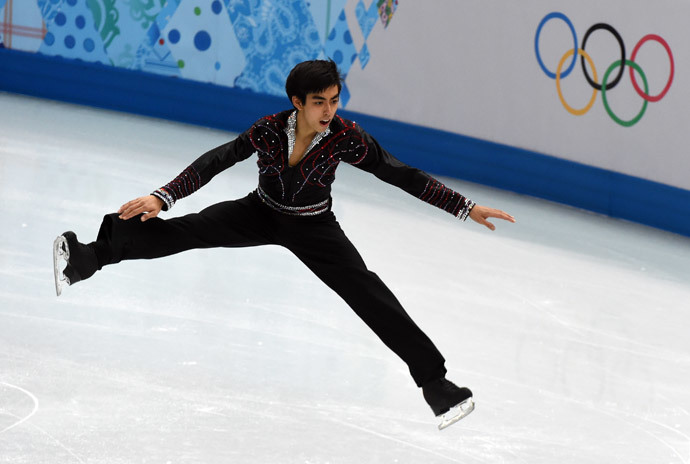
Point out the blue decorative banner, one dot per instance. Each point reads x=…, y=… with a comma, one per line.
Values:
x=250, y=44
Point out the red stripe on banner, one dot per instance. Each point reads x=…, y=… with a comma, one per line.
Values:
x=23, y=31
x=35, y=30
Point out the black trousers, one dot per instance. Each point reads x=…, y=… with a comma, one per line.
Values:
x=318, y=241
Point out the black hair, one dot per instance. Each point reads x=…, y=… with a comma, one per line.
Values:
x=312, y=77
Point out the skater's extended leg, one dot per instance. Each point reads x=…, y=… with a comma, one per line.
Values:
x=321, y=244
x=325, y=249
x=236, y=223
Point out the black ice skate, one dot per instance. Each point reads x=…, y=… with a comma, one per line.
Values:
x=448, y=401
x=81, y=261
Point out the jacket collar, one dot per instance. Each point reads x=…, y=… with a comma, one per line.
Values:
x=290, y=132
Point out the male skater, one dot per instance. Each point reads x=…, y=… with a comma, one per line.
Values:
x=298, y=152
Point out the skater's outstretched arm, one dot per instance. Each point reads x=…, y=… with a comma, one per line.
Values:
x=196, y=175
x=420, y=184
x=150, y=205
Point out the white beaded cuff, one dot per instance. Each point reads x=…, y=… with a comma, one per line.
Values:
x=464, y=213
x=168, y=200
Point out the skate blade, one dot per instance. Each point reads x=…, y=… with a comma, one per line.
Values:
x=456, y=413
x=60, y=251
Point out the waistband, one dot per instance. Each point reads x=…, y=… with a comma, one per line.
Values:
x=310, y=210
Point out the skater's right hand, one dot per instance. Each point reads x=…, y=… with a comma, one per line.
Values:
x=150, y=205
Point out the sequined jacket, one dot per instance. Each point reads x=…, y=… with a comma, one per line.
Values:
x=305, y=188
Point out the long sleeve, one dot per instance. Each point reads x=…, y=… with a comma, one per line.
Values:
x=203, y=169
x=414, y=181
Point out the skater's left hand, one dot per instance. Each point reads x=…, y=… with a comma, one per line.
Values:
x=480, y=214
x=150, y=205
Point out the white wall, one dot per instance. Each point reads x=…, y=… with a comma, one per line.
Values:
x=470, y=67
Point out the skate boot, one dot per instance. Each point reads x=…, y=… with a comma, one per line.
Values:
x=81, y=261
x=448, y=401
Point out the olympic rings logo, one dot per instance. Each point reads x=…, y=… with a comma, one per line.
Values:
x=605, y=85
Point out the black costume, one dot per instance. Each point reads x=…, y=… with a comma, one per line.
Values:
x=292, y=208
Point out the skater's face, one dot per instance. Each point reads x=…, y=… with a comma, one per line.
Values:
x=317, y=112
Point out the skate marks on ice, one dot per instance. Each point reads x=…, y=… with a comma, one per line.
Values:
x=657, y=431
x=645, y=425
x=376, y=428
x=509, y=435
x=399, y=441
x=368, y=422
x=3, y=411
x=19, y=420
x=462, y=443
x=595, y=337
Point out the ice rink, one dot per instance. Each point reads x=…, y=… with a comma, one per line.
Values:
x=571, y=328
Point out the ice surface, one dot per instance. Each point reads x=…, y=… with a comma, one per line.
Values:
x=571, y=328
